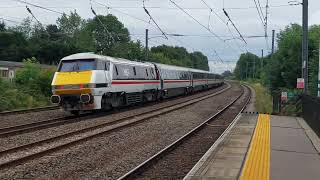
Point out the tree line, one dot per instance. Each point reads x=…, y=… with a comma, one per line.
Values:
x=71, y=34
x=281, y=69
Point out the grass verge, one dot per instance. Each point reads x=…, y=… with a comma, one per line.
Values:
x=263, y=101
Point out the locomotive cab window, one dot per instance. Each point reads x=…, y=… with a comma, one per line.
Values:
x=77, y=65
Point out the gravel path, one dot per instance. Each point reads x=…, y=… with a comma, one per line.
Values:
x=110, y=156
x=26, y=138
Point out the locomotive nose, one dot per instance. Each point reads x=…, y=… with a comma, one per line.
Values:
x=55, y=99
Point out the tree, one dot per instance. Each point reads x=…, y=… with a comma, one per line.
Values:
x=226, y=74
x=2, y=26
x=71, y=24
x=106, y=31
x=179, y=56
x=248, y=66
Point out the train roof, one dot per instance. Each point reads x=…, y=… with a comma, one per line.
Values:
x=179, y=68
x=125, y=61
x=107, y=58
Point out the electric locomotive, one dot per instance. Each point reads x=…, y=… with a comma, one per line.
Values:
x=86, y=81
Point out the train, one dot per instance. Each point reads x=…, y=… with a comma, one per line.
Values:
x=87, y=81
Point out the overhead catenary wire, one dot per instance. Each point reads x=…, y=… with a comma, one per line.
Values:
x=218, y=56
x=235, y=27
x=209, y=30
x=33, y=16
x=260, y=8
x=101, y=23
x=147, y=12
x=259, y=14
x=9, y=20
x=41, y=7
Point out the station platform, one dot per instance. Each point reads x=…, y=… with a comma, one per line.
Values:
x=262, y=146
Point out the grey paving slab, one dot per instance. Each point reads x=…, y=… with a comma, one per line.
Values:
x=284, y=121
x=294, y=166
x=293, y=156
x=287, y=139
x=288, y=135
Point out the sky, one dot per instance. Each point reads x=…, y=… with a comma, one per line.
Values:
x=206, y=31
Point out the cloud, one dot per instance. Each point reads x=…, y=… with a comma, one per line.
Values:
x=172, y=20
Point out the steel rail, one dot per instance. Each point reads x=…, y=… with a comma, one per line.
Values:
x=29, y=127
x=22, y=111
x=144, y=165
x=118, y=124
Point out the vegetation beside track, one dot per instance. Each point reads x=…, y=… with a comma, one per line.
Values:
x=263, y=101
x=31, y=87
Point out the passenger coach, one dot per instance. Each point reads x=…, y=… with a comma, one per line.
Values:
x=87, y=81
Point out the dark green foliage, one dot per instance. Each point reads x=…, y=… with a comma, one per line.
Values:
x=72, y=34
x=179, y=56
x=282, y=69
x=248, y=66
x=226, y=74
x=31, y=88
x=103, y=35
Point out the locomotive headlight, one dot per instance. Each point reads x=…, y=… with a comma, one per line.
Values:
x=85, y=98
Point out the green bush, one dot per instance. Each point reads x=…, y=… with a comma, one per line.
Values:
x=31, y=87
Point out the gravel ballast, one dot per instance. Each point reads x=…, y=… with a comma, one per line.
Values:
x=112, y=155
x=26, y=138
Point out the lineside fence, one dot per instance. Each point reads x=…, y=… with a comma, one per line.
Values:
x=311, y=112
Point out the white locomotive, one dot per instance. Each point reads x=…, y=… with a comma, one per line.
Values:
x=87, y=81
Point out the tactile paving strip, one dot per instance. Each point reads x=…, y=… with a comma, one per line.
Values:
x=257, y=164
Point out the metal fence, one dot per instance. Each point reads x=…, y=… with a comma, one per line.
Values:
x=311, y=112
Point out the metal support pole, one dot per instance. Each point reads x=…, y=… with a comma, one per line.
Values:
x=147, y=48
x=319, y=72
x=254, y=67
x=305, y=44
x=261, y=59
x=272, y=50
x=247, y=71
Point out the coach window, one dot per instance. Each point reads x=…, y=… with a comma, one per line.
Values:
x=107, y=66
x=134, y=71
x=151, y=73
x=147, y=72
x=116, y=70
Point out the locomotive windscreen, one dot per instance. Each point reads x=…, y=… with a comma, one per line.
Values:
x=77, y=65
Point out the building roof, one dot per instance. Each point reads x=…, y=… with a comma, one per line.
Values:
x=11, y=64
x=19, y=64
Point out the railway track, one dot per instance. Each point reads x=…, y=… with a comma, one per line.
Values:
x=30, y=127
x=141, y=171
x=20, y=154
x=23, y=111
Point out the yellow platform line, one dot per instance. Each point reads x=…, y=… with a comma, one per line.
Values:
x=257, y=164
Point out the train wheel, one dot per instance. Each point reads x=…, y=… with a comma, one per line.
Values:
x=75, y=112
x=186, y=91
x=105, y=106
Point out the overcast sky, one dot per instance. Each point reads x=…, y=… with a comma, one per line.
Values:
x=172, y=20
